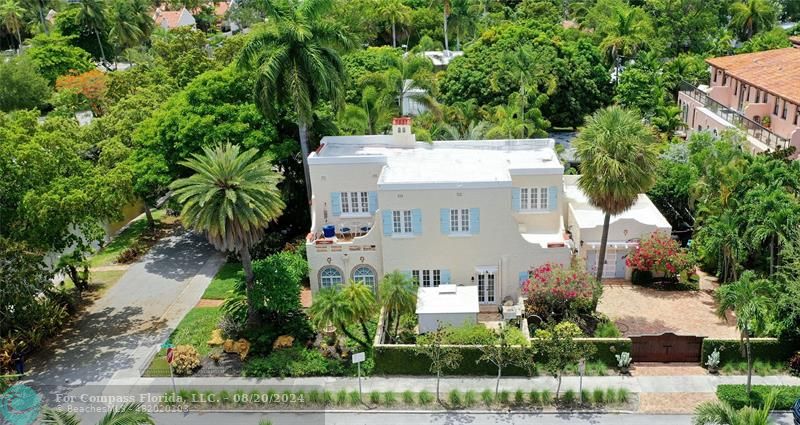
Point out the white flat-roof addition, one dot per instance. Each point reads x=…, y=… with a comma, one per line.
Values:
x=443, y=164
x=448, y=299
x=588, y=216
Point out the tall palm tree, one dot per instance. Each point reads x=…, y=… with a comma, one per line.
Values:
x=231, y=198
x=749, y=17
x=618, y=162
x=446, y=14
x=374, y=112
x=331, y=307
x=123, y=29
x=296, y=61
x=410, y=78
x=11, y=13
x=129, y=414
x=463, y=19
x=750, y=299
x=625, y=32
x=91, y=15
x=396, y=12
x=771, y=217
x=718, y=412
x=398, y=296
x=363, y=307
x=525, y=67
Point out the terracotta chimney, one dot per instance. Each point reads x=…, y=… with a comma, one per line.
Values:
x=401, y=130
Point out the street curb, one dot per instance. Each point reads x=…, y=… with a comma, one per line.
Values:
x=427, y=412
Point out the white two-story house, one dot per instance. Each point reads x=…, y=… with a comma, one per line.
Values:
x=470, y=213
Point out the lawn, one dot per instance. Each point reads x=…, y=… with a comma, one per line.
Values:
x=223, y=282
x=122, y=241
x=195, y=329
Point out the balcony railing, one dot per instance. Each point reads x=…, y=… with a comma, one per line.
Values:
x=752, y=128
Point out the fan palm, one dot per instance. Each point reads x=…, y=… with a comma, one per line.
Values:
x=750, y=299
x=617, y=162
x=396, y=12
x=332, y=307
x=129, y=414
x=231, y=198
x=91, y=15
x=296, y=60
x=749, y=17
x=11, y=13
x=717, y=412
x=398, y=296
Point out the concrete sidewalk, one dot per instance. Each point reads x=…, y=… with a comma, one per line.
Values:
x=640, y=384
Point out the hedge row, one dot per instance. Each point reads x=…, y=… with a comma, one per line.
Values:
x=403, y=360
x=736, y=395
x=730, y=350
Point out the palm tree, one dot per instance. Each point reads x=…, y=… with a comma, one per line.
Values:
x=718, y=412
x=363, y=307
x=750, y=299
x=771, y=216
x=463, y=20
x=524, y=66
x=123, y=29
x=668, y=119
x=91, y=15
x=749, y=17
x=446, y=14
x=398, y=296
x=40, y=6
x=374, y=112
x=331, y=307
x=618, y=162
x=625, y=32
x=396, y=12
x=296, y=61
x=11, y=13
x=231, y=198
x=129, y=414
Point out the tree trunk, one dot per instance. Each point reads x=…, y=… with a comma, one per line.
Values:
x=558, y=387
x=749, y=358
x=41, y=18
x=305, y=151
x=497, y=384
x=444, y=13
x=247, y=265
x=601, y=260
x=149, y=214
x=396, y=323
x=351, y=336
x=19, y=42
x=364, y=329
x=394, y=34
x=100, y=44
x=438, y=375
x=772, y=255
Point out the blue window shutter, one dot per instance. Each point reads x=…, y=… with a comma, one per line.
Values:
x=516, y=200
x=523, y=276
x=386, y=217
x=444, y=221
x=416, y=221
x=373, y=202
x=336, y=204
x=444, y=276
x=474, y=221
x=552, y=201
x=406, y=274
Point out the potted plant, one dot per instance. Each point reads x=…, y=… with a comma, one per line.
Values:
x=766, y=121
x=624, y=362
x=713, y=362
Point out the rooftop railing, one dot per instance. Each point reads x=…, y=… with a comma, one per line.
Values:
x=752, y=128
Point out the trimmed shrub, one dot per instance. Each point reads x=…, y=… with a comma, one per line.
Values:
x=185, y=360
x=598, y=396
x=341, y=397
x=569, y=397
x=623, y=395
x=519, y=397
x=470, y=398
x=375, y=397
x=535, y=397
x=611, y=396
x=586, y=396
x=503, y=397
x=389, y=398
x=487, y=396
x=408, y=397
x=730, y=350
x=454, y=398
x=736, y=395
x=355, y=398
x=295, y=361
x=425, y=397
x=547, y=397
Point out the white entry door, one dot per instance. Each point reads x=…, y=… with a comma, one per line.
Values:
x=610, y=265
x=485, y=277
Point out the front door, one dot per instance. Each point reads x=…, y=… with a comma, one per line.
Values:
x=486, y=285
x=609, y=265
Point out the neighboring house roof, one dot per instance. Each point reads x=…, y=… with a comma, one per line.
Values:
x=588, y=216
x=221, y=8
x=776, y=71
x=483, y=163
x=446, y=299
x=169, y=19
x=442, y=57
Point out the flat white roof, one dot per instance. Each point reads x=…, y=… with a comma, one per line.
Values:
x=464, y=163
x=446, y=299
x=587, y=216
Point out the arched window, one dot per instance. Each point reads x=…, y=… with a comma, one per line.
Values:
x=329, y=276
x=364, y=274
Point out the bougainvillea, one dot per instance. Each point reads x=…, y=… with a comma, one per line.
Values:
x=659, y=253
x=554, y=292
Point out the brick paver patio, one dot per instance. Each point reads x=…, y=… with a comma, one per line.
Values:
x=644, y=311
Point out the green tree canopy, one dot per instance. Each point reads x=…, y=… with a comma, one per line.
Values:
x=21, y=87
x=54, y=56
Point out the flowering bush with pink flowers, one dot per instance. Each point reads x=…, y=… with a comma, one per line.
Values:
x=659, y=253
x=555, y=292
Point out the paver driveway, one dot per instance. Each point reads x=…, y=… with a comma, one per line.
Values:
x=643, y=311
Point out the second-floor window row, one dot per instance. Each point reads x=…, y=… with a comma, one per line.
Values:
x=354, y=203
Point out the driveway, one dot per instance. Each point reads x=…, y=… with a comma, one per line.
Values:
x=644, y=311
x=116, y=334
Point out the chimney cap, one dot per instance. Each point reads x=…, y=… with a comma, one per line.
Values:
x=401, y=121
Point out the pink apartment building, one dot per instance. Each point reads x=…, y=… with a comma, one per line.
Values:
x=758, y=93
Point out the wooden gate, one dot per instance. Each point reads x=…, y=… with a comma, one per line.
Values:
x=666, y=348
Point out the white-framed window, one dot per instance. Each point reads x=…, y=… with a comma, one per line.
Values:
x=355, y=202
x=329, y=277
x=364, y=274
x=459, y=220
x=427, y=277
x=533, y=198
x=401, y=222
